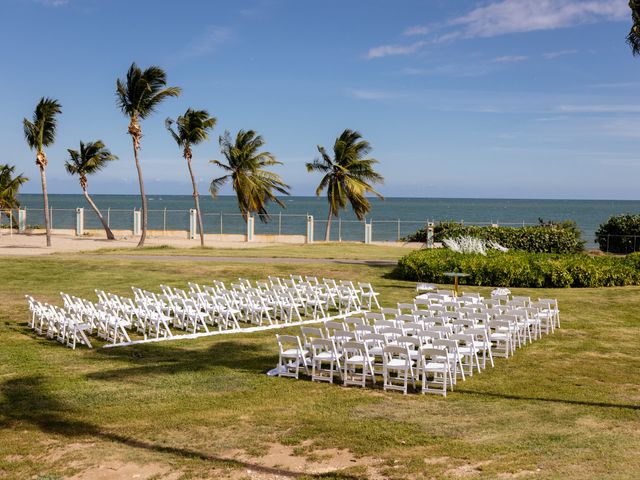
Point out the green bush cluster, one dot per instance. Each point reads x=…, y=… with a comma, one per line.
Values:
x=547, y=237
x=521, y=269
x=619, y=234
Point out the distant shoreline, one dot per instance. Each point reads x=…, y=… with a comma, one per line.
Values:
x=373, y=199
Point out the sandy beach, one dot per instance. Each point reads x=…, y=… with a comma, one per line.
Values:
x=35, y=244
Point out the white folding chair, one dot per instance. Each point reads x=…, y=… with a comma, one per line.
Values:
x=357, y=364
x=291, y=356
x=435, y=370
x=397, y=369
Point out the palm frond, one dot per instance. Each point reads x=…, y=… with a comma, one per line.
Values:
x=216, y=183
x=139, y=94
x=349, y=175
x=254, y=185
x=9, y=187
x=91, y=158
x=41, y=130
x=633, y=38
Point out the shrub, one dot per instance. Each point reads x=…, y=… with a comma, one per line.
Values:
x=521, y=269
x=619, y=234
x=547, y=237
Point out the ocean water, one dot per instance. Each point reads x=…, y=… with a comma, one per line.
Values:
x=391, y=218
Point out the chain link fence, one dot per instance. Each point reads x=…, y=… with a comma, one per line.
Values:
x=345, y=230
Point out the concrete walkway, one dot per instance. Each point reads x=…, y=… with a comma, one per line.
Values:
x=197, y=258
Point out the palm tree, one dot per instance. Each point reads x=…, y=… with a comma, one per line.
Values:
x=193, y=128
x=138, y=96
x=40, y=132
x=9, y=187
x=633, y=38
x=253, y=184
x=92, y=157
x=347, y=176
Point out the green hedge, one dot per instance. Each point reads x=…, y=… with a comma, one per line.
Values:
x=520, y=269
x=544, y=238
x=619, y=234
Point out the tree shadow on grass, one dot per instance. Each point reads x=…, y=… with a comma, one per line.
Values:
x=160, y=359
x=27, y=400
x=552, y=400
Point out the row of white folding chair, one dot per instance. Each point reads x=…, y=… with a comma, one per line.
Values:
x=284, y=302
x=342, y=295
x=65, y=326
x=146, y=313
x=478, y=338
x=355, y=364
x=194, y=310
x=547, y=305
x=530, y=325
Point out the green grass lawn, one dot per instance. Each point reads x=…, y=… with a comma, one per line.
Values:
x=564, y=407
x=343, y=250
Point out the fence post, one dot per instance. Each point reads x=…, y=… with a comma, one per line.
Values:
x=192, y=224
x=137, y=222
x=164, y=220
x=309, y=228
x=279, y=223
x=367, y=233
x=22, y=220
x=250, y=228
x=79, y=222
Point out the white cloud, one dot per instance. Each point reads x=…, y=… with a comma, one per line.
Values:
x=615, y=85
x=559, y=53
x=389, y=50
x=597, y=108
x=517, y=16
x=366, y=94
x=504, y=17
x=206, y=43
x=460, y=70
x=416, y=30
x=53, y=3
x=510, y=58
x=623, y=127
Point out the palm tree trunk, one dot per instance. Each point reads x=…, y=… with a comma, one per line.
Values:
x=107, y=230
x=143, y=198
x=327, y=233
x=196, y=200
x=47, y=220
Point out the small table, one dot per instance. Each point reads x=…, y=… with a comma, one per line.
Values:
x=456, y=276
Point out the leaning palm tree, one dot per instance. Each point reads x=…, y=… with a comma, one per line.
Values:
x=193, y=128
x=9, y=187
x=253, y=184
x=40, y=132
x=92, y=157
x=138, y=96
x=633, y=38
x=347, y=177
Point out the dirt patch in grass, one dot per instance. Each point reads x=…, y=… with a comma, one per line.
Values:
x=312, y=461
x=467, y=470
x=116, y=470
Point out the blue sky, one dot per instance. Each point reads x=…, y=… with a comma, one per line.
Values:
x=495, y=98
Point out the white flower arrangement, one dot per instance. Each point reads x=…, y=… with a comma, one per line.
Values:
x=472, y=245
